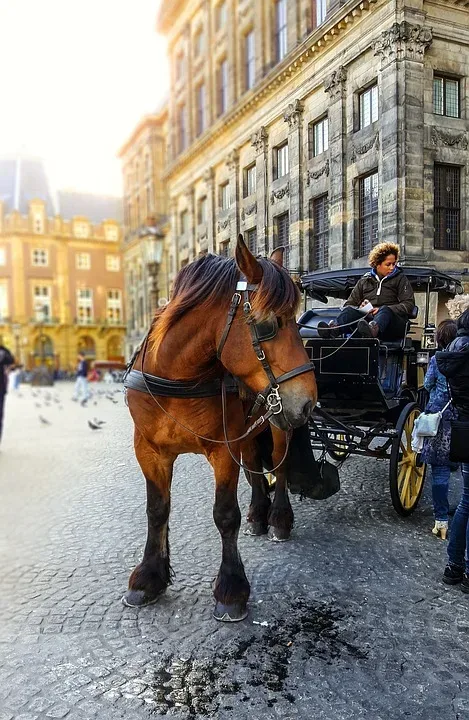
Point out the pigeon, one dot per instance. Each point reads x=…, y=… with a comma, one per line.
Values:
x=43, y=420
x=93, y=426
x=99, y=422
x=38, y=404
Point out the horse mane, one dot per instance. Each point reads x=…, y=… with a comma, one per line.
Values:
x=211, y=280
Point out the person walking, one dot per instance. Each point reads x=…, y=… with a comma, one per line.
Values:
x=435, y=450
x=454, y=365
x=82, y=392
x=6, y=359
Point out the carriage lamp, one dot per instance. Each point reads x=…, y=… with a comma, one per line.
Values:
x=152, y=243
x=423, y=358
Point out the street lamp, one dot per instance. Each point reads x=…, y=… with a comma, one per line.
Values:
x=152, y=243
x=41, y=375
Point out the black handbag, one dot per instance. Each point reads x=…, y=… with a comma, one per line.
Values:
x=459, y=445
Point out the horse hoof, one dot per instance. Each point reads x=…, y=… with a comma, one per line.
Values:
x=229, y=613
x=138, y=598
x=278, y=535
x=255, y=529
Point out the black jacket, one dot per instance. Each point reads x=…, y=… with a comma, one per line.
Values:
x=6, y=359
x=453, y=363
x=395, y=291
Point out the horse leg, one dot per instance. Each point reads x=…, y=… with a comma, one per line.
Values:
x=231, y=588
x=256, y=522
x=280, y=517
x=151, y=577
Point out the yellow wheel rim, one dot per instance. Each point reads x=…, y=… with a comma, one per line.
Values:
x=410, y=475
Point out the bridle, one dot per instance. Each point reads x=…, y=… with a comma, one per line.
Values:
x=260, y=332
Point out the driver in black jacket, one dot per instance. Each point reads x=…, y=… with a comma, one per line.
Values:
x=453, y=363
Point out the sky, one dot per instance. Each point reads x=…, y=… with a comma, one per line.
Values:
x=76, y=78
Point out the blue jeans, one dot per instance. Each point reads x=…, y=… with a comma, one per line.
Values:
x=458, y=546
x=391, y=326
x=81, y=388
x=440, y=484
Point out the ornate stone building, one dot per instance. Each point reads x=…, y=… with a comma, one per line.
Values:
x=61, y=280
x=146, y=240
x=326, y=128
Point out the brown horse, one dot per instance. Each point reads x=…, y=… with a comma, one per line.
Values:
x=232, y=316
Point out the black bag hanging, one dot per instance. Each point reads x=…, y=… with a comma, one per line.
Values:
x=459, y=445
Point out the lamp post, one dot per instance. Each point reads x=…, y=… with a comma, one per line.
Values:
x=152, y=240
x=41, y=375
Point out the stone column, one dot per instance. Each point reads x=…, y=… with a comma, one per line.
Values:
x=334, y=85
x=174, y=236
x=232, y=163
x=401, y=49
x=259, y=140
x=208, y=178
x=293, y=115
x=191, y=225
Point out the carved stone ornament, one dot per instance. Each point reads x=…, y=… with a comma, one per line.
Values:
x=249, y=210
x=223, y=224
x=208, y=176
x=280, y=193
x=403, y=40
x=292, y=114
x=259, y=140
x=203, y=233
x=315, y=174
x=232, y=160
x=447, y=139
x=335, y=82
x=364, y=147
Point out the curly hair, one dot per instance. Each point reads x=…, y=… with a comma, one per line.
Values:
x=381, y=251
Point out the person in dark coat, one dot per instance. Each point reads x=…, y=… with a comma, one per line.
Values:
x=388, y=293
x=435, y=450
x=454, y=365
x=6, y=359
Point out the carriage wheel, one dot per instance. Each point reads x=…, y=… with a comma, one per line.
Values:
x=339, y=453
x=406, y=472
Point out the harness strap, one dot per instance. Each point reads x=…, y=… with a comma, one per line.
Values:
x=235, y=300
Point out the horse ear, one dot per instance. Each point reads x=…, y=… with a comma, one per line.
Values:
x=277, y=255
x=247, y=263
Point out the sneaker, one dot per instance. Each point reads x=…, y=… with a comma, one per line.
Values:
x=368, y=330
x=323, y=330
x=335, y=329
x=465, y=583
x=440, y=529
x=454, y=575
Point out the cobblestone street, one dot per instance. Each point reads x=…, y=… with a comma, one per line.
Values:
x=348, y=620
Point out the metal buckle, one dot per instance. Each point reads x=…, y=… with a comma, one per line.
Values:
x=260, y=355
x=236, y=299
x=247, y=307
x=274, y=401
x=242, y=285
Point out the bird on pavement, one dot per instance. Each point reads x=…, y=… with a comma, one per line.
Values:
x=99, y=422
x=44, y=420
x=93, y=426
x=38, y=404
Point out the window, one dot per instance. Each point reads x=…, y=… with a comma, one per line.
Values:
x=83, y=261
x=3, y=256
x=446, y=96
x=319, y=249
x=81, y=229
x=220, y=15
x=222, y=85
x=224, y=196
x=42, y=303
x=320, y=11
x=249, y=61
x=447, y=209
x=182, y=128
x=202, y=210
x=113, y=263
x=201, y=122
x=198, y=42
x=280, y=29
x=114, y=307
x=368, y=102
x=249, y=180
x=281, y=167
x=282, y=234
x=225, y=249
x=367, y=214
x=40, y=258
x=84, y=306
x=318, y=137
x=3, y=301
x=38, y=223
x=149, y=198
x=252, y=240
x=111, y=232
x=184, y=222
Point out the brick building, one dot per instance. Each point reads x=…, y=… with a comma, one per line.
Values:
x=323, y=127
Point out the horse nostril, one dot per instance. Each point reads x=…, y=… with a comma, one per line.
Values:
x=308, y=409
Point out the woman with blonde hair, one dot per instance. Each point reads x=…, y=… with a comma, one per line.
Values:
x=387, y=293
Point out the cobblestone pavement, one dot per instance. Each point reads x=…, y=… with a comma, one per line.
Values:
x=349, y=620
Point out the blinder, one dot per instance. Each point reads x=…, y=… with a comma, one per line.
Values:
x=266, y=330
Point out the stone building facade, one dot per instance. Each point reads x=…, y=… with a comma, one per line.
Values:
x=61, y=280
x=143, y=159
x=323, y=127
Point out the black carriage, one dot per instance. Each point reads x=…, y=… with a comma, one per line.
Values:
x=370, y=392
